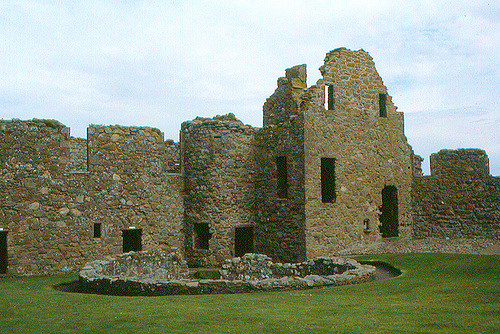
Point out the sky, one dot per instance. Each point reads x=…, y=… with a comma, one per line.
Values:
x=159, y=63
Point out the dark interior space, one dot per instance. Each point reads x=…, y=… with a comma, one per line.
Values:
x=382, y=104
x=331, y=100
x=243, y=240
x=132, y=240
x=201, y=235
x=3, y=252
x=389, y=209
x=97, y=230
x=328, y=180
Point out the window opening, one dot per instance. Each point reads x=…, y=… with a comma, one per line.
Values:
x=329, y=99
x=282, y=177
x=243, y=240
x=366, y=225
x=97, y=230
x=389, y=215
x=201, y=235
x=3, y=252
x=382, y=98
x=328, y=180
x=132, y=240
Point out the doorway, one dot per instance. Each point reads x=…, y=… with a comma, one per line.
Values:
x=132, y=240
x=389, y=215
x=243, y=240
x=3, y=252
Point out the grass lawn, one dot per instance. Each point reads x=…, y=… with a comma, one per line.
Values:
x=437, y=293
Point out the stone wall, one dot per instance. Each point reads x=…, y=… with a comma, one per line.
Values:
x=461, y=164
x=49, y=205
x=370, y=152
x=229, y=188
x=459, y=199
x=153, y=274
x=219, y=192
x=78, y=155
x=280, y=217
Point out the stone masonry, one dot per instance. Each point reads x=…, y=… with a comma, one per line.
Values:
x=329, y=172
x=459, y=199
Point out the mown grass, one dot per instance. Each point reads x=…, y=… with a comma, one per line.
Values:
x=437, y=293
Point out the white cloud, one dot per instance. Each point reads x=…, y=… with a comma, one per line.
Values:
x=157, y=64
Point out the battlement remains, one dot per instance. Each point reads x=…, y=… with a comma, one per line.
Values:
x=460, y=164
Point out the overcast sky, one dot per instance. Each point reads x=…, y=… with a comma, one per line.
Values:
x=160, y=63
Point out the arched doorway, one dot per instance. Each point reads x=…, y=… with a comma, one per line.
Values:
x=389, y=216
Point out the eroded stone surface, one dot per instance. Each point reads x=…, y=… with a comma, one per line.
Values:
x=143, y=273
x=65, y=201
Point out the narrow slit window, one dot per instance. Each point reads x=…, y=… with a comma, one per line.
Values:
x=330, y=101
x=282, y=177
x=97, y=230
x=328, y=180
x=382, y=99
x=201, y=235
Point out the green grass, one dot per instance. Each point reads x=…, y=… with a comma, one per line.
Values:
x=437, y=293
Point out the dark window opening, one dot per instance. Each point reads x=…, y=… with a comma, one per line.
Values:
x=389, y=215
x=243, y=240
x=201, y=235
x=282, y=177
x=3, y=252
x=328, y=180
x=97, y=230
x=382, y=104
x=330, y=101
x=132, y=240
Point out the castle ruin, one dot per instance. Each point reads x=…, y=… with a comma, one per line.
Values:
x=329, y=170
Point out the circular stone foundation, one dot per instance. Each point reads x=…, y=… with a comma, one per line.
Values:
x=159, y=273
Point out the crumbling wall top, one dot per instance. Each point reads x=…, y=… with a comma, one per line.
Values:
x=461, y=163
x=228, y=121
x=49, y=126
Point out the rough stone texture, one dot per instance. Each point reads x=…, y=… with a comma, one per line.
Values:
x=78, y=154
x=259, y=267
x=370, y=152
x=222, y=173
x=459, y=199
x=280, y=221
x=132, y=274
x=217, y=164
x=144, y=266
x=49, y=209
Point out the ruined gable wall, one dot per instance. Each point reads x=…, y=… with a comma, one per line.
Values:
x=280, y=221
x=459, y=199
x=370, y=152
x=217, y=165
x=49, y=209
